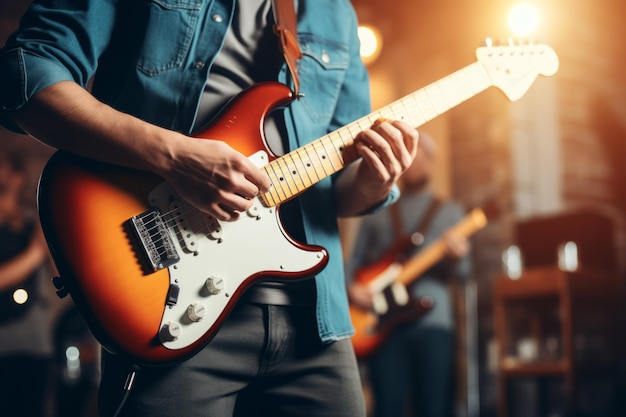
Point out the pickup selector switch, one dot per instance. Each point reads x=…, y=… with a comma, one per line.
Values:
x=214, y=285
x=172, y=295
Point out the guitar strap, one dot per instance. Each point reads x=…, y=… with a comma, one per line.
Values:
x=285, y=28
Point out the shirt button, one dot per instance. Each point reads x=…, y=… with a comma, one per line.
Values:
x=199, y=65
x=325, y=57
x=217, y=18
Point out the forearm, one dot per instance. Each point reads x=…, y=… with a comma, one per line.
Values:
x=209, y=174
x=354, y=198
x=67, y=117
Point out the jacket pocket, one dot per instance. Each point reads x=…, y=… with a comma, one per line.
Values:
x=170, y=26
x=322, y=70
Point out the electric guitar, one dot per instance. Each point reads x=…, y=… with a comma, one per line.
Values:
x=155, y=278
x=388, y=279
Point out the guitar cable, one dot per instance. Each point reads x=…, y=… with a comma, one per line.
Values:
x=128, y=386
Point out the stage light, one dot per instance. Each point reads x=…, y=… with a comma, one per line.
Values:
x=523, y=19
x=371, y=43
x=20, y=296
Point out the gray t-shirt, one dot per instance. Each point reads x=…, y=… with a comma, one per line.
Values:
x=250, y=55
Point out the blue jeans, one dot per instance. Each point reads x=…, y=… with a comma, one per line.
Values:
x=414, y=369
x=265, y=361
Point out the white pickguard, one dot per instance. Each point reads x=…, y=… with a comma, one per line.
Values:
x=232, y=251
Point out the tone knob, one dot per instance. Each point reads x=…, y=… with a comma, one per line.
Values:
x=254, y=210
x=196, y=311
x=214, y=228
x=170, y=331
x=214, y=285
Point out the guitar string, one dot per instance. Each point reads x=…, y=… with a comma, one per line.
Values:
x=174, y=217
x=322, y=154
x=452, y=83
x=315, y=160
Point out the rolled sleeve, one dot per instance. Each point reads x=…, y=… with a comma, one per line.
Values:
x=392, y=197
x=22, y=75
x=56, y=41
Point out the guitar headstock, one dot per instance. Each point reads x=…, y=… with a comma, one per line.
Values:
x=513, y=68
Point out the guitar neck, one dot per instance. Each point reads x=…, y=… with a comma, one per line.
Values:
x=299, y=169
x=415, y=267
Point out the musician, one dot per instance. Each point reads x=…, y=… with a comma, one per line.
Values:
x=415, y=364
x=161, y=70
x=25, y=337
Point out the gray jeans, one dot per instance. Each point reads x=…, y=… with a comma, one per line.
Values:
x=264, y=361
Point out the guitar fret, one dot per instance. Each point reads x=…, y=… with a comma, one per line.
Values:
x=306, y=166
x=321, y=147
x=288, y=179
x=393, y=112
x=335, y=150
x=446, y=91
x=464, y=80
x=269, y=198
x=416, y=111
x=299, y=170
x=348, y=148
x=320, y=151
x=355, y=128
x=316, y=162
x=333, y=158
x=426, y=104
x=406, y=115
x=276, y=187
x=334, y=153
x=467, y=79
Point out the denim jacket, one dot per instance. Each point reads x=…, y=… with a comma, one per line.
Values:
x=152, y=59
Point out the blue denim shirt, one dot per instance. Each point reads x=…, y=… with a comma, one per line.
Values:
x=152, y=59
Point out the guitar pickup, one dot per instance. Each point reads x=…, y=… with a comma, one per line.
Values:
x=187, y=237
x=155, y=239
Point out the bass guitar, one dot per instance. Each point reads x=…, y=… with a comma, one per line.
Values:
x=388, y=279
x=155, y=278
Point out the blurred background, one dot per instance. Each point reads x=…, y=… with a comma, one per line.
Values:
x=541, y=330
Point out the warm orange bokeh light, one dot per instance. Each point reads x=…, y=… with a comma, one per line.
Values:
x=371, y=43
x=523, y=19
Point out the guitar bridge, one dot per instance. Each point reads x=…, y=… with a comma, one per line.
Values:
x=155, y=239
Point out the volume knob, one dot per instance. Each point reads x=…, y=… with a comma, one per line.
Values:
x=214, y=285
x=170, y=331
x=196, y=311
